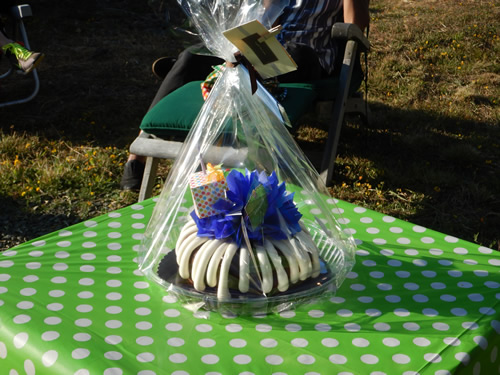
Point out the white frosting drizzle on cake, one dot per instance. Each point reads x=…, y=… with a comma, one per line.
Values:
x=210, y=264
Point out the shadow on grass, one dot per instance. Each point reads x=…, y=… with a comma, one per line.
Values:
x=19, y=224
x=451, y=163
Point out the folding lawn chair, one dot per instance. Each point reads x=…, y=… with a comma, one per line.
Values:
x=173, y=116
x=17, y=14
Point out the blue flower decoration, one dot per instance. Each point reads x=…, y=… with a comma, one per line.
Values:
x=281, y=219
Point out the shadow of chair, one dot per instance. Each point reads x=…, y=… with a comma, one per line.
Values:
x=17, y=14
x=165, y=126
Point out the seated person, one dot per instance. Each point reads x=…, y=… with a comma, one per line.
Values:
x=308, y=43
x=19, y=56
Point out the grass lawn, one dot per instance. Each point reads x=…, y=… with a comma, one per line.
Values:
x=430, y=155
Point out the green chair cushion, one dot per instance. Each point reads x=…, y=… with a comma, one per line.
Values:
x=176, y=112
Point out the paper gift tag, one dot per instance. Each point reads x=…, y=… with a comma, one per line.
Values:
x=261, y=48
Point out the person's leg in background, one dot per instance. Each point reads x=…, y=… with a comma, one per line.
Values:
x=19, y=56
x=187, y=68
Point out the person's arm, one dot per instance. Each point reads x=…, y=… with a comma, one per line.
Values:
x=356, y=11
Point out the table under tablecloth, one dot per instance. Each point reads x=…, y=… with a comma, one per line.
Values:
x=416, y=302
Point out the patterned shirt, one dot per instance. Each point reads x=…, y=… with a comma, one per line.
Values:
x=309, y=22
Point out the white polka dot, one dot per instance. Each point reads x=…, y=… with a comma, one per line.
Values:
x=145, y=357
x=384, y=286
x=52, y=320
x=113, y=356
x=379, y=241
x=394, y=263
x=114, y=246
x=373, y=312
x=382, y=327
x=337, y=359
x=33, y=265
x=143, y=326
x=369, y=359
x=20, y=340
x=481, y=341
x=393, y=299
x=360, y=342
x=352, y=327
x=113, y=339
x=419, y=262
x=29, y=367
x=430, y=312
x=206, y=343
x=21, y=319
x=344, y=313
x=306, y=359
x=427, y=240
x=401, y=359
x=401, y=312
x=403, y=274
x=475, y=297
x=263, y=328
x=175, y=342
x=458, y=311
x=462, y=357
x=410, y=326
x=439, y=326
x=172, y=313
x=233, y=328
x=3, y=350
x=87, y=268
x=49, y=358
x=485, y=250
x=242, y=359
x=421, y=341
x=492, y=284
x=391, y=342
x=452, y=341
x=377, y=274
x=50, y=336
x=113, y=324
x=173, y=327
x=62, y=255
x=113, y=371
x=494, y=262
x=237, y=343
x=448, y=298
x=204, y=328
x=438, y=285
x=83, y=322
x=38, y=243
x=80, y=353
x=455, y=273
x=293, y=327
x=316, y=313
x=474, y=325
x=411, y=286
x=436, y=252
x=144, y=341
x=114, y=296
x=420, y=298
x=268, y=343
x=113, y=310
x=25, y=305
x=329, y=342
x=445, y=262
x=365, y=299
x=58, y=280
x=210, y=359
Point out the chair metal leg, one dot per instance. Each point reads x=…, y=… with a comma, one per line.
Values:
x=330, y=152
x=149, y=177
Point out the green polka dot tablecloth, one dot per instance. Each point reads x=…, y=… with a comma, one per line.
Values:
x=416, y=302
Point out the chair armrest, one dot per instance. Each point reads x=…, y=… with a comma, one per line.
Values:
x=21, y=11
x=350, y=31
